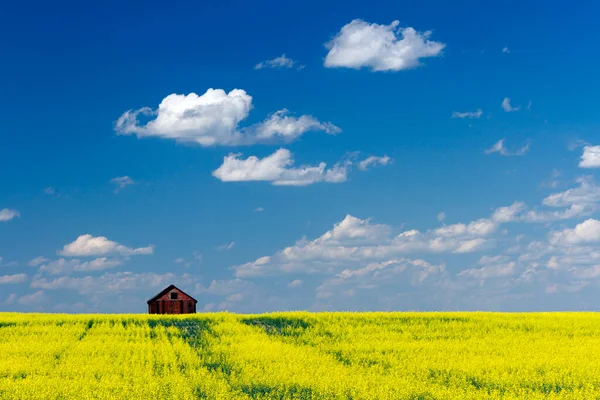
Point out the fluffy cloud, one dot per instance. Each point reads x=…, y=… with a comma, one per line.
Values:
x=354, y=240
x=212, y=119
x=6, y=214
x=372, y=161
x=278, y=169
x=378, y=274
x=295, y=283
x=586, y=232
x=380, y=47
x=288, y=128
x=573, y=203
x=89, y=246
x=12, y=279
x=37, y=261
x=576, y=202
x=499, y=148
x=121, y=182
x=590, y=157
x=490, y=271
x=507, y=107
x=509, y=213
x=279, y=62
x=468, y=114
x=33, y=299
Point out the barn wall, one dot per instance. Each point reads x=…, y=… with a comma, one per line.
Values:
x=164, y=305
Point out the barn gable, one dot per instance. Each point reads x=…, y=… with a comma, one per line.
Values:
x=172, y=300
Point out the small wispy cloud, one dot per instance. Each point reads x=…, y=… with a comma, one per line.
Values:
x=505, y=50
x=373, y=161
x=279, y=62
x=295, y=283
x=37, y=261
x=226, y=247
x=499, y=148
x=259, y=209
x=441, y=216
x=469, y=114
x=507, y=107
x=121, y=182
x=6, y=214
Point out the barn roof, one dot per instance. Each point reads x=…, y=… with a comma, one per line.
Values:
x=166, y=290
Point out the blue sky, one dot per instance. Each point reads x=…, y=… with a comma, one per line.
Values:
x=313, y=156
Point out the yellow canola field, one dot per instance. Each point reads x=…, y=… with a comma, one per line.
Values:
x=301, y=355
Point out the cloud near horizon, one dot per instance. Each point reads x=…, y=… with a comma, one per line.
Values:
x=89, y=246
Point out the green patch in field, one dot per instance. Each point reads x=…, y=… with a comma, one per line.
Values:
x=281, y=326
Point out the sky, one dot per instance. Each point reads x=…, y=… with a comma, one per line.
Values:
x=307, y=156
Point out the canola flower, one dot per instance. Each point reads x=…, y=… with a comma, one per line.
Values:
x=301, y=355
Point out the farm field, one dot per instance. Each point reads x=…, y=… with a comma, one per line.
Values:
x=301, y=355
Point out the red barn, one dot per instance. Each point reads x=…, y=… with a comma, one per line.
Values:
x=172, y=301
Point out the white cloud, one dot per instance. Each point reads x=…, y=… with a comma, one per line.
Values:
x=507, y=107
x=295, y=283
x=566, y=288
x=213, y=118
x=277, y=169
x=6, y=214
x=122, y=181
x=575, y=202
x=468, y=114
x=106, y=283
x=380, y=47
x=441, y=216
x=356, y=241
x=505, y=50
x=12, y=279
x=499, y=148
x=88, y=246
x=226, y=287
x=37, y=261
x=372, y=161
x=579, y=201
x=64, y=267
x=470, y=245
x=489, y=271
x=279, y=62
x=225, y=247
x=586, y=232
x=259, y=209
x=375, y=275
x=508, y=214
x=36, y=298
x=590, y=157
x=288, y=128
x=11, y=298
x=588, y=193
